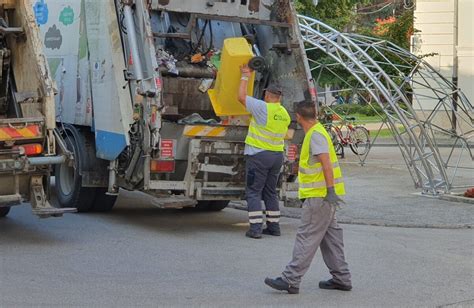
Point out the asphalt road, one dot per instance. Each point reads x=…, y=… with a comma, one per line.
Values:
x=138, y=255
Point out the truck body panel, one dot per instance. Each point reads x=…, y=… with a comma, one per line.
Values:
x=152, y=118
x=27, y=115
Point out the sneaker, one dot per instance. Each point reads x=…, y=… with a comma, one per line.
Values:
x=271, y=232
x=331, y=285
x=280, y=285
x=253, y=234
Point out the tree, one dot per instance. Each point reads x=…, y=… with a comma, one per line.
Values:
x=339, y=14
x=342, y=15
x=399, y=30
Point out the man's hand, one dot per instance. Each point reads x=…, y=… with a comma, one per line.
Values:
x=245, y=70
x=332, y=198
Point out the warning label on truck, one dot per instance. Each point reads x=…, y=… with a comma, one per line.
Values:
x=167, y=148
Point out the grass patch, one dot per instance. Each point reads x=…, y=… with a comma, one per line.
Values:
x=384, y=133
x=364, y=119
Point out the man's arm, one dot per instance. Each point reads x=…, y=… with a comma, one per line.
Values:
x=320, y=149
x=244, y=80
x=327, y=169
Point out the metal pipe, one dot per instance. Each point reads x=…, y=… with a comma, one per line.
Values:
x=51, y=160
x=132, y=41
x=455, y=65
x=190, y=72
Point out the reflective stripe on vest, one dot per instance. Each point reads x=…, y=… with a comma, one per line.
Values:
x=316, y=170
x=318, y=184
x=263, y=139
x=311, y=179
x=271, y=136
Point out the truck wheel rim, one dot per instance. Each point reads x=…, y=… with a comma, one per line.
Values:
x=67, y=179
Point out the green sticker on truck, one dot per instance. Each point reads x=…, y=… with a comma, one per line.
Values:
x=67, y=16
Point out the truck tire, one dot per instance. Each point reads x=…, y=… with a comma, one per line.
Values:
x=4, y=211
x=212, y=205
x=102, y=201
x=69, y=190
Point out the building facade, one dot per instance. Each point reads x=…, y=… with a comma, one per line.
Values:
x=447, y=31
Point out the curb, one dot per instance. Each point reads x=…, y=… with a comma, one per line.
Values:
x=346, y=221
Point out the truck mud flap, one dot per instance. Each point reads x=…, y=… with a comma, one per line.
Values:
x=220, y=193
x=173, y=202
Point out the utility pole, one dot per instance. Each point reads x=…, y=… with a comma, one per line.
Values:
x=455, y=64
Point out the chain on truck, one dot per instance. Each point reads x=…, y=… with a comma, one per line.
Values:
x=146, y=100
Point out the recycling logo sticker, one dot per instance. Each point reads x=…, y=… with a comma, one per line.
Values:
x=67, y=16
x=53, y=38
x=41, y=12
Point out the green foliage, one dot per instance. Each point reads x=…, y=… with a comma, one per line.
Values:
x=341, y=15
x=346, y=109
x=399, y=32
x=369, y=110
x=350, y=109
x=336, y=13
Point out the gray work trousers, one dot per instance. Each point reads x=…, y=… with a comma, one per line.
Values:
x=318, y=228
x=263, y=170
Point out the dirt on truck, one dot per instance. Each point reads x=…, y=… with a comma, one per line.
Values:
x=27, y=121
x=148, y=95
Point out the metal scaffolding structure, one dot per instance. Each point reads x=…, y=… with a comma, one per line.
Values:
x=422, y=108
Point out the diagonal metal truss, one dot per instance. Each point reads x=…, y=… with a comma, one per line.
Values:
x=421, y=107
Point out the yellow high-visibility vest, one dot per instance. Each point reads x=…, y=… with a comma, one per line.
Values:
x=271, y=136
x=310, y=176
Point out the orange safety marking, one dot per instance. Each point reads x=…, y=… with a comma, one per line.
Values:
x=216, y=132
x=28, y=132
x=204, y=131
x=12, y=132
x=194, y=131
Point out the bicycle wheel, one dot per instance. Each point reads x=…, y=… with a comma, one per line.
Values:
x=332, y=133
x=338, y=147
x=359, y=140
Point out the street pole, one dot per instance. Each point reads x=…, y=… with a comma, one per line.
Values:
x=455, y=65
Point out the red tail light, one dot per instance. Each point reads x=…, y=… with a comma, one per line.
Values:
x=292, y=152
x=162, y=166
x=31, y=149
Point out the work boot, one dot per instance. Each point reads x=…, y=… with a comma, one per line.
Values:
x=331, y=285
x=273, y=228
x=255, y=231
x=253, y=234
x=281, y=285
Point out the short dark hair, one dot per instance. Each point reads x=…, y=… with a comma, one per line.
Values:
x=306, y=109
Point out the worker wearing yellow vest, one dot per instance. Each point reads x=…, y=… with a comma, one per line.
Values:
x=320, y=185
x=264, y=148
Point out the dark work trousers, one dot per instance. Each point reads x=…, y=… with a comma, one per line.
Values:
x=263, y=170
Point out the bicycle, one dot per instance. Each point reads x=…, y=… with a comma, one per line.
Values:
x=346, y=133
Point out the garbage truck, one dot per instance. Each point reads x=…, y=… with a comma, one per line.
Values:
x=147, y=95
x=29, y=145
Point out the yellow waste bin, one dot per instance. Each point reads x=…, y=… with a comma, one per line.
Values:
x=235, y=53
